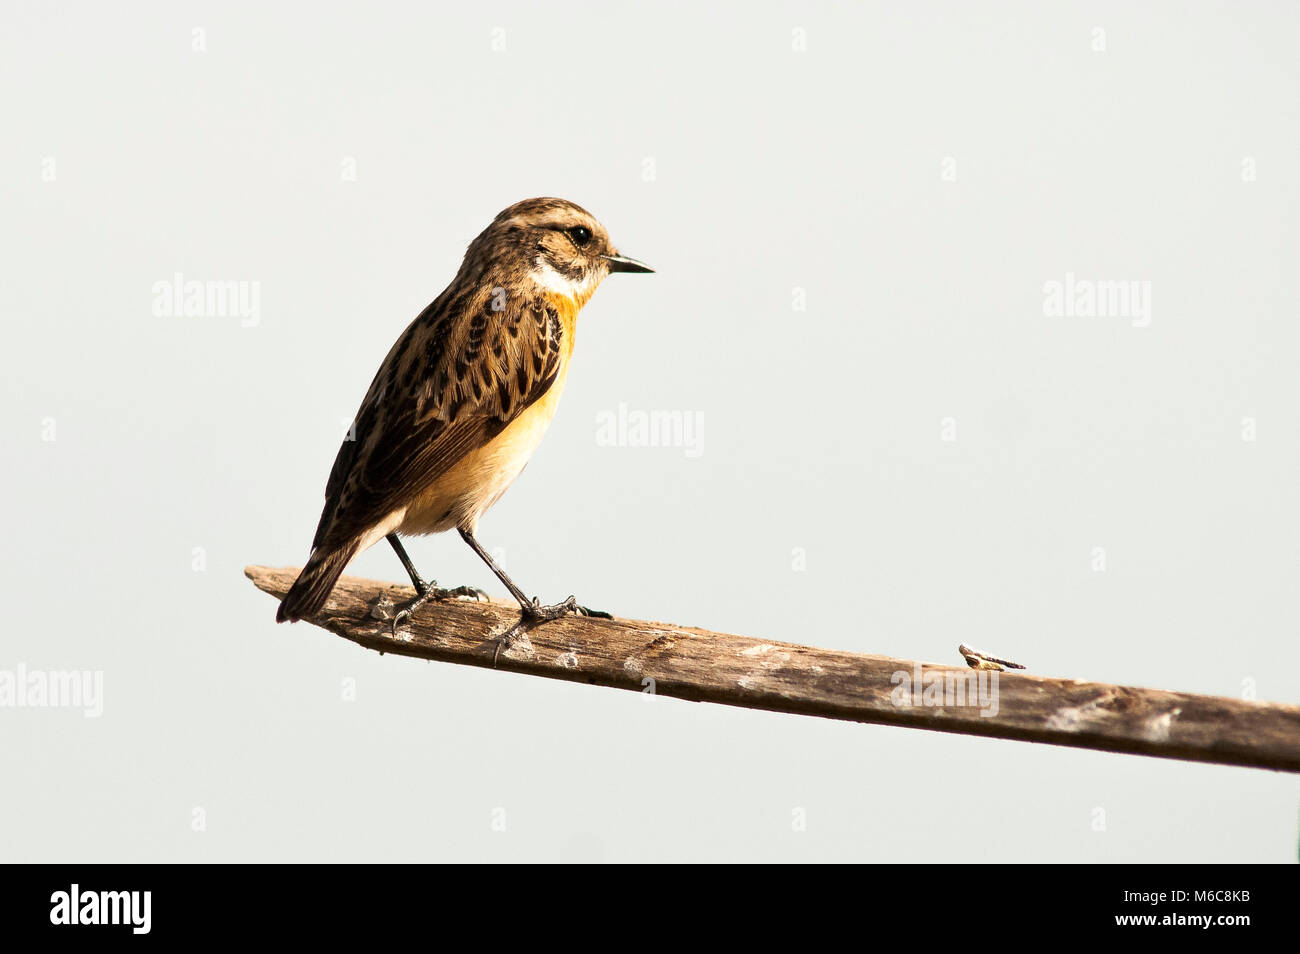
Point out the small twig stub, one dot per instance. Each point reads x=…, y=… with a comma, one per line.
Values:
x=978, y=660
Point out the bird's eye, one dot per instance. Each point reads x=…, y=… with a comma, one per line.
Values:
x=580, y=234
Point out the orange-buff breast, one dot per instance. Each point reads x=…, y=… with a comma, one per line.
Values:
x=460, y=497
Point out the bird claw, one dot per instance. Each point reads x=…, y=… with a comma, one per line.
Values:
x=505, y=640
x=432, y=591
x=534, y=614
x=463, y=592
x=400, y=617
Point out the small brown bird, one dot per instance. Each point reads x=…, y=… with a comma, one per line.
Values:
x=462, y=400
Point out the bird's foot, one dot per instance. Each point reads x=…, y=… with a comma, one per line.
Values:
x=460, y=593
x=432, y=591
x=534, y=614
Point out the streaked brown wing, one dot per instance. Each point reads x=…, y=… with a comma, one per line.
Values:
x=458, y=375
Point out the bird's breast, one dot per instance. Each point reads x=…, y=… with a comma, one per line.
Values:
x=477, y=481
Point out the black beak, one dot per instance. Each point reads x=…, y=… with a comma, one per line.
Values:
x=621, y=263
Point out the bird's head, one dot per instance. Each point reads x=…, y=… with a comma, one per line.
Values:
x=556, y=244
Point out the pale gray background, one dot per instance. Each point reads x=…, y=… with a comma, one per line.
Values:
x=775, y=169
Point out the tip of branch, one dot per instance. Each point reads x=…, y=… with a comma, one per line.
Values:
x=273, y=580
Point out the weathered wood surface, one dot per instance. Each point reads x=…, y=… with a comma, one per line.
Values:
x=703, y=666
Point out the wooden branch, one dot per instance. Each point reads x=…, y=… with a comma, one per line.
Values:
x=701, y=666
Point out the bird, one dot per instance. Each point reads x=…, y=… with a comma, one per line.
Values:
x=461, y=402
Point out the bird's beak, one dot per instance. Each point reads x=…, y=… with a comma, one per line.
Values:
x=621, y=263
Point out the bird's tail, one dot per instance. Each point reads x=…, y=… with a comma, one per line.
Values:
x=314, y=584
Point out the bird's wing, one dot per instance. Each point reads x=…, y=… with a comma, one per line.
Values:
x=459, y=374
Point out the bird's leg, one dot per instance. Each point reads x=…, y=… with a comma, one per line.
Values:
x=533, y=612
x=424, y=591
x=430, y=590
x=411, y=571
